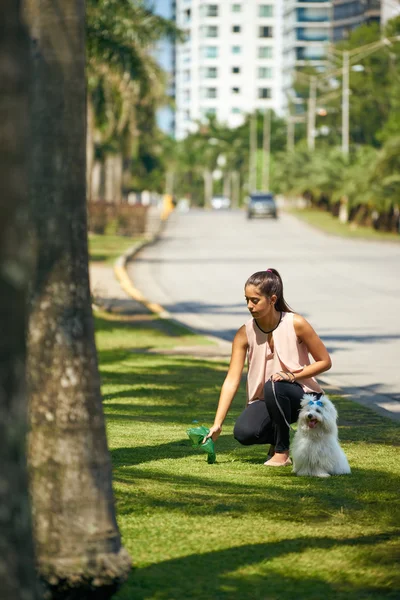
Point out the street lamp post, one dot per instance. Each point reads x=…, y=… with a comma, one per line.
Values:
x=253, y=154
x=347, y=58
x=266, y=150
x=346, y=102
x=312, y=107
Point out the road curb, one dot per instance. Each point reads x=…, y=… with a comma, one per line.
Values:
x=121, y=274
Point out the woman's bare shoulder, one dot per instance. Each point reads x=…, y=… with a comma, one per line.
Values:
x=241, y=337
x=301, y=325
x=299, y=319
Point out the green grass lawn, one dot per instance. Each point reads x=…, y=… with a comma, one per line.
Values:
x=330, y=224
x=237, y=530
x=107, y=248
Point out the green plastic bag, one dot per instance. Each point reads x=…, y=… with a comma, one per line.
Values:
x=197, y=435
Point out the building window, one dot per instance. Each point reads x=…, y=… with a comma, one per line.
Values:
x=210, y=10
x=264, y=93
x=235, y=90
x=321, y=15
x=210, y=52
x=236, y=49
x=209, y=112
x=264, y=72
x=236, y=70
x=236, y=8
x=210, y=72
x=210, y=92
x=311, y=53
x=312, y=34
x=265, y=32
x=236, y=29
x=186, y=75
x=186, y=115
x=186, y=96
x=265, y=52
x=265, y=10
x=236, y=111
x=210, y=31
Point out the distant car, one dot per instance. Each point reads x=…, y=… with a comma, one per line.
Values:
x=262, y=204
x=220, y=202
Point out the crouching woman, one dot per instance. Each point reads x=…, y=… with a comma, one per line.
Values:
x=277, y=343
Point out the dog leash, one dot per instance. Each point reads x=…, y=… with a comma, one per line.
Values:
x=279, y=406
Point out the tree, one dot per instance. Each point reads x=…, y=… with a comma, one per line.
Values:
x=125, y=82
x=78, y=544
x=18, y=580
x=199, y=152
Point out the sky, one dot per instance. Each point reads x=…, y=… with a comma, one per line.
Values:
x=164, y=57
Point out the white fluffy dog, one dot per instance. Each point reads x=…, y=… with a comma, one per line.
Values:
x=315, y=448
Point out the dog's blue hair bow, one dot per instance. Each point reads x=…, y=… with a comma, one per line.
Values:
x=316, y=402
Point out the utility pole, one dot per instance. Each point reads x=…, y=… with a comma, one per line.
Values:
x=345, y=102
x=312, y=108
x=290, y=134
x=266, y=150
x=346, y=58
x=235, y=185
x=253, y=154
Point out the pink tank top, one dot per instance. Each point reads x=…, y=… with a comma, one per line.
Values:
x=289, y=355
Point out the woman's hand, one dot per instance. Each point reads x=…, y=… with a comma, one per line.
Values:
x=214, y=433
x=283, y=376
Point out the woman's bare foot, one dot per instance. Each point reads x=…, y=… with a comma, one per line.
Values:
x=279, y=459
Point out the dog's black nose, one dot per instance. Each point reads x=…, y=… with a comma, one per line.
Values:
x=310, y=416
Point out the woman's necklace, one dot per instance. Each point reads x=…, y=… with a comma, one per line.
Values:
x=271, y=330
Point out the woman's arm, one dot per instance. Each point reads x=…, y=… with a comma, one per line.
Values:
x=315, y=346
x=232, y=381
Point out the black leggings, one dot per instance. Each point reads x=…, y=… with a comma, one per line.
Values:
x=262, y=422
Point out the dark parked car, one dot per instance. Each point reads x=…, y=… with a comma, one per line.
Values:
x=262, y=204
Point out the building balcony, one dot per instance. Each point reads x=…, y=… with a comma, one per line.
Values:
x=313, y=34
x=309, y=19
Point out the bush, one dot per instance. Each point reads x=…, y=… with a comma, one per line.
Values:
x=119, y=219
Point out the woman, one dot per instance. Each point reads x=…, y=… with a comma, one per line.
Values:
x=278, y=343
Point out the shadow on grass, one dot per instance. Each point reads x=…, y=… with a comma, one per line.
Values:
x=185, y=389
x=249, y=572
x=282, y=496
x=154, y=325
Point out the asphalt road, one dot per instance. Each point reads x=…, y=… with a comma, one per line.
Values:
x=348, y=290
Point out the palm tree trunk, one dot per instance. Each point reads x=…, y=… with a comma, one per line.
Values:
x=96, y=183
x=78, y=544
x=113, y=178
x=208, y=187
x=18, y=579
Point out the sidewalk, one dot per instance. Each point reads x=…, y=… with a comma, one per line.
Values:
x=108, y=294
x=110, y=286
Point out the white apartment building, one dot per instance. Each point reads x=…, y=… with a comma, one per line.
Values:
x=389, y=10
x=230, y=63
x=307, y=32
